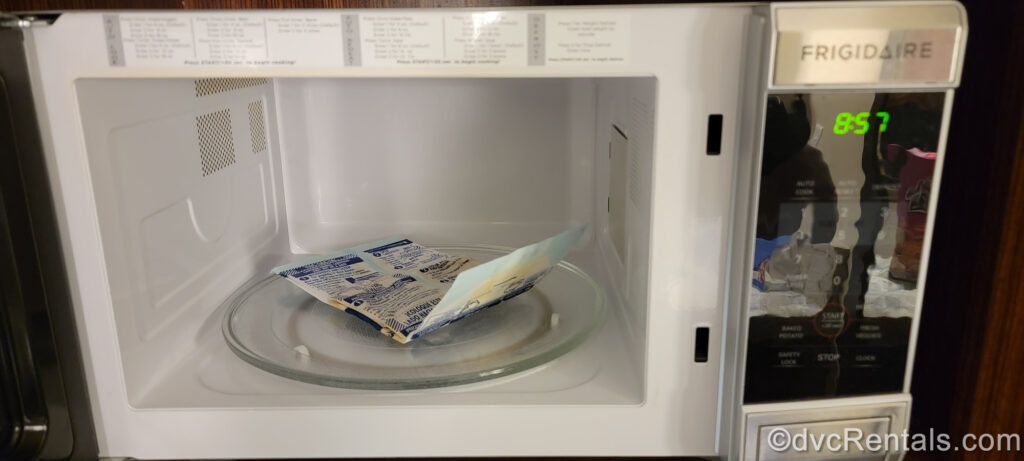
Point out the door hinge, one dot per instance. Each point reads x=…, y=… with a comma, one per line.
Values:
x=24, y=21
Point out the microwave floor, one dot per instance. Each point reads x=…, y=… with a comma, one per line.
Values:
x=509, y=352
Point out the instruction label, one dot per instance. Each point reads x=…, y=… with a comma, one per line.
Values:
x=587, y=38
x=367, y=39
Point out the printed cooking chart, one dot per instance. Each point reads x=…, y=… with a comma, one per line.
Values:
x=463, y=39
x=231, y=40
x=385, y=39
x=492, y=38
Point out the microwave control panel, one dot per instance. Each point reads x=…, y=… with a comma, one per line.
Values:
x=843, y=202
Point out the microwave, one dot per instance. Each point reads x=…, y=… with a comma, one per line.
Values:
x=758, y=183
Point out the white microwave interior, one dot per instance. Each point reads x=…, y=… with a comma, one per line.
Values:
x=204, y=184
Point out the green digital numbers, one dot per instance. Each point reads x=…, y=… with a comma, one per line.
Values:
x=885, y=120
x=862, y=122
x=859, y=123
x=843, y=121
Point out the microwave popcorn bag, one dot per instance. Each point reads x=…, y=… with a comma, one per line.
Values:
x=406, y=290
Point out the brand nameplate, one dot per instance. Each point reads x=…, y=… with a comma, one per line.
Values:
x=867, y=48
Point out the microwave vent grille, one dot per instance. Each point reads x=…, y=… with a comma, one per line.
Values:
x=208, y=86
x=216, y=144
x=257, y=128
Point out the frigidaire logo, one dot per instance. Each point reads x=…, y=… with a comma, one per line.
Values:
x=865, y=51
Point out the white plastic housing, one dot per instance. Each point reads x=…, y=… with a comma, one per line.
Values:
x=510, y=154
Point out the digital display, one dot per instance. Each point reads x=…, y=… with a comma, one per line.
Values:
x=843, y=197
x=860, y=122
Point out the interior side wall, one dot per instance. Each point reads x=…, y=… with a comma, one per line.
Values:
x=183, y=173
x=623, y=182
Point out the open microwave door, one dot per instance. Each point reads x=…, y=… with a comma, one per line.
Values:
x=44, y=409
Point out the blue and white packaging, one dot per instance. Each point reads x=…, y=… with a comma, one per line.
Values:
x=406, y=290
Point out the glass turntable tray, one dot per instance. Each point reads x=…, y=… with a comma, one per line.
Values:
x=277, y=327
